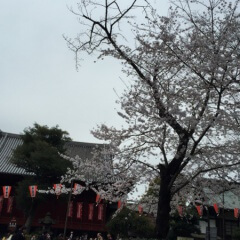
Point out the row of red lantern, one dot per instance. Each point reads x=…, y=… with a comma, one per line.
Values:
x=200, y=210
x=57, y=188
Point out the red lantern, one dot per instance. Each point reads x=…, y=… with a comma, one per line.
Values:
x=76, y=188
x=33, y=191
x=57, y=188
x=140, y=209
x=236, y=212
x=119, y=204
x=216, y=208
x=200, y=210
x=6, y=191
x=98, y=198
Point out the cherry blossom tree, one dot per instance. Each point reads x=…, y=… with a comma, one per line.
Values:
x=181, y=104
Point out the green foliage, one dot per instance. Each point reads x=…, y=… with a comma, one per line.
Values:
x=236, y=234
x=185, y=226
x=39, y=153
x=128, y=222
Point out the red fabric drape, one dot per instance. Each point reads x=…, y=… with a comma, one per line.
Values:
x=10, y=204
x=79, y=210
x=90, y=211
x=100, y=212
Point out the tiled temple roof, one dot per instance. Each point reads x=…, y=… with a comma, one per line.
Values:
x=9, y=142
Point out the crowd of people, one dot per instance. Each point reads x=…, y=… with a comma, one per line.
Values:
x=19, y=234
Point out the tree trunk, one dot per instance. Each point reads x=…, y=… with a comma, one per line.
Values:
x=163, y=212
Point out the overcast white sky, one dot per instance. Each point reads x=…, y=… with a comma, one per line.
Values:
x=38, y=79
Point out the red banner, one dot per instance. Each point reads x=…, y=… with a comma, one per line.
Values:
x=79, y=210
x=90, y=211
x=140, y=209
x=100, y=211
x=180, y=210
x=216, y=208
x=70, y=209
x=33, y=191
x=6, y=191
x=200, y=210
x=10, y=204
x=1, y=203
x=236, y=212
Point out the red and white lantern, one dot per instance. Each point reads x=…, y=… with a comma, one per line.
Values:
x=236, y=212
x=98, y=198
x=119, y=204
x=200, y=210
x=76, y=188
x=57, y=188
x=215, y=206
x=33, y=191
x=79, y=210
x=6, y=191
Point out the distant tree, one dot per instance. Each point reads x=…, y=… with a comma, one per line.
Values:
x=182, y=104
x=39, y=154
x=128, y=223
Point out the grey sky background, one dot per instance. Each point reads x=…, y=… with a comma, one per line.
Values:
x=38, y=79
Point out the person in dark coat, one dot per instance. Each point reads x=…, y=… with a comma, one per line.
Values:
x=19, y=234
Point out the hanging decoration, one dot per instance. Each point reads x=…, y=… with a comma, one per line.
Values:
x=6, y=191
x=236, y=212
x=79, y=210
x=10, y=204
x=57, y=189
x=77, y=188
x=1, y=203
x=119, y=204
x=200, y=210
x=90, y=211
x=33, y=191
x=180, y=210
x=98, y=199
x=216, y=208
x=140, y=209
x=100, y=211
x=70, y=209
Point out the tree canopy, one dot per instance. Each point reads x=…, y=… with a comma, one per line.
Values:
x=40, y=152
x=182, y=103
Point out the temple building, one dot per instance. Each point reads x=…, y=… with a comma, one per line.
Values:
x=80, y=213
